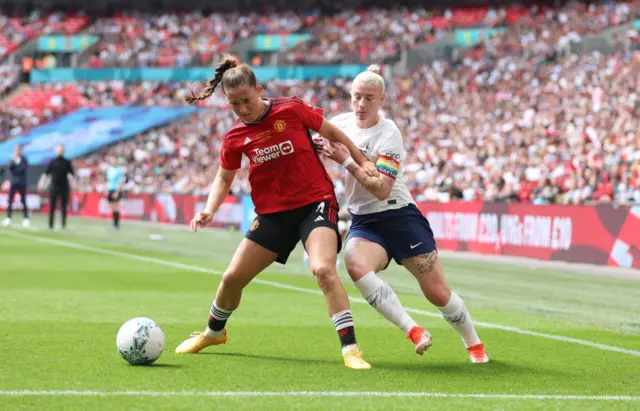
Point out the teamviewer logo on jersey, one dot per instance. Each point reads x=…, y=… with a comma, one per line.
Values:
x=262, y=155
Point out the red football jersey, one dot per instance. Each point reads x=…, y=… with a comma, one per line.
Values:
x=285, y=172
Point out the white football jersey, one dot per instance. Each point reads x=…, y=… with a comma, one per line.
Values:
x=383, y=139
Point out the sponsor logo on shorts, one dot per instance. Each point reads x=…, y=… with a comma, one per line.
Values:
x=254, y=225
x=262, y=155
x=280, y=125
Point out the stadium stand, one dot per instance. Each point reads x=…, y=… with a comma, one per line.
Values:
x=179, y=40
x=14, y=31
x=519, y=117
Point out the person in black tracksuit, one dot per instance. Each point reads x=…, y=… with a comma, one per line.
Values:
x=18, y=168
x=58, y=171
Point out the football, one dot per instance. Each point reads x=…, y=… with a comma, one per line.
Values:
x=140, y=341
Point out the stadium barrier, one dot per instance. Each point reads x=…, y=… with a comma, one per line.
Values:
x=34, y=202
x=602, y=234
x=161, y=208
x=189, y=74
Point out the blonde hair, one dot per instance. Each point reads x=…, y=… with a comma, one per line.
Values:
x=230, y=74
x=371, y=76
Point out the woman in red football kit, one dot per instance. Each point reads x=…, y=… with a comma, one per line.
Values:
x=293, y=197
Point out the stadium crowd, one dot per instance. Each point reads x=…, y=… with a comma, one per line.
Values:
x=374, y=35
x=380, y=35
x=15, y=31
x=517, y=118
x=568, y=133
x=540, y=34
x=179, y=39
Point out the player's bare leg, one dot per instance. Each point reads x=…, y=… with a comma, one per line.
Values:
x=248, y=261
x=364, y=259
x=322, y=246
x=430, y=275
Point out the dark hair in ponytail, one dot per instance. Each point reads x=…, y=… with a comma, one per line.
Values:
x=230, y=74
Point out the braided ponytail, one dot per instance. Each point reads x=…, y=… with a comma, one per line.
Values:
x=228, y=62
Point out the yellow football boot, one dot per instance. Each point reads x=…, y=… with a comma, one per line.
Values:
x=353, y=359
x=200, y=341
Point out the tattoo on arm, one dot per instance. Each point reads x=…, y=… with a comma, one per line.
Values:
x=372, y=184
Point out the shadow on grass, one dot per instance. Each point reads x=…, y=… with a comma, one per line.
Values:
x=273, y=358
x=160, y=365
x=495, y=368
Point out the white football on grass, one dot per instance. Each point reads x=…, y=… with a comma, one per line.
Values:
x=140, y=341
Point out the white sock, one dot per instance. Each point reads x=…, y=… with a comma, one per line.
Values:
x=214, y=334
x=382, y=297
x=457, y=315
x=350, y=347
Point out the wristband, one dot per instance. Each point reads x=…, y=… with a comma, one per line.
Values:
x=348, y=161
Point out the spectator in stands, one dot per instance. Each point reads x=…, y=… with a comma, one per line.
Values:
x=512, y=120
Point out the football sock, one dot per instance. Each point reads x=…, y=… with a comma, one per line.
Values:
x=217, y=320
x=456, y=314
x=343, y=322
x=382, y=297
x=116, y=219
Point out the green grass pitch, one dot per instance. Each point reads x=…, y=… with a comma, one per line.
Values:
x=557, y=340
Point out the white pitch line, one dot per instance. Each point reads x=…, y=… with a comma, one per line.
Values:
x=182, y=266
x=28, y=393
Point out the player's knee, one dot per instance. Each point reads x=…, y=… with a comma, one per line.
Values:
x=233, y=280
x=325, y=274
x=439, y=295
x=357, y=268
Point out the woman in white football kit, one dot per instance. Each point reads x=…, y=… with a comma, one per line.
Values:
x=387, y=224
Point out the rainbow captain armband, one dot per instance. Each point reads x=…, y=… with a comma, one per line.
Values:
x=388, y=166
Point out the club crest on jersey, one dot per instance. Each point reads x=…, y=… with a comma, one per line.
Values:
x=254, y=225
x=280, y=125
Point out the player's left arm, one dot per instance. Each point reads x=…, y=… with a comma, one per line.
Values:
x=390, y=153
x=380, y=185
x=313, y=119
x=332, y=133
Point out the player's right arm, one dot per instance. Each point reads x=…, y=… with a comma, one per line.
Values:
x=219, y=191
x=230, y=161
